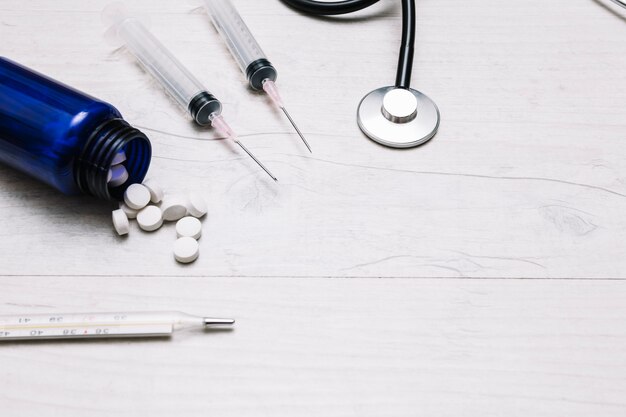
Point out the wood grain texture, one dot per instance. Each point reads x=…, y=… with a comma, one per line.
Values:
x=526, y=179
x=333, y=347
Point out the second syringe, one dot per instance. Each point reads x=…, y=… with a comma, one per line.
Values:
x=158, y=61
x=247, y=52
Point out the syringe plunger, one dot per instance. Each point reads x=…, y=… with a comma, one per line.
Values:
x=244, y=48
x=247, y=52
x=128, y=30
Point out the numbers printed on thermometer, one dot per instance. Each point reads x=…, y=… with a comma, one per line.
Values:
x=103, y=325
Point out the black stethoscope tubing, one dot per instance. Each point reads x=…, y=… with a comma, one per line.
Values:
x=405, y=61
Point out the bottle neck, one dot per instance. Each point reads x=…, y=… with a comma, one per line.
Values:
x=91, y=168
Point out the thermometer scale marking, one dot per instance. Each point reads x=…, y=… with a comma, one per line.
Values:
x=113, y=325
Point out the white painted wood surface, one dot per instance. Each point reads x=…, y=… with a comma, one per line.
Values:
x=525, y=180
x=333, y=347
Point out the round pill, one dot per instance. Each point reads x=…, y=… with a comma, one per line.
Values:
x=119, y=158
x=120, y=222
x=189, y=227
x=196, y=205
x=117, y=175
x=186, y=250
x=156, y=192
x=130, y=213
x=137, y=196
x=173, y=209
x=150, y=218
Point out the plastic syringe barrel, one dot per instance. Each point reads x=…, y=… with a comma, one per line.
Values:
x=158, y=61
x=242, y=45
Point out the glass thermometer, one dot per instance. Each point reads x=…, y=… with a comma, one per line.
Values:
x=102, y=325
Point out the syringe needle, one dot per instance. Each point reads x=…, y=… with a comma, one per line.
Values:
x=254, y=64
x=218, y=122
x=270, y=88
x=296, y=127
x=238, y=142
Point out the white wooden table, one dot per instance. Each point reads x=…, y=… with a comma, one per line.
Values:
x=483, y=274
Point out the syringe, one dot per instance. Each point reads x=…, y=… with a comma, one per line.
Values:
x=159, y=62
x=247, y=52
x=102, y=325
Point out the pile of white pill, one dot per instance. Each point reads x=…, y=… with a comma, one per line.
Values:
x=151, y=207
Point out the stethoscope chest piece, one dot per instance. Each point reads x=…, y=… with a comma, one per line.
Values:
x=398, y=117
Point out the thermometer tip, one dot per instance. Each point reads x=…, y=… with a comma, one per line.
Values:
x=211, y=322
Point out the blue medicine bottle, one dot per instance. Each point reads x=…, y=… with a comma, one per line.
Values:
x=63, y=137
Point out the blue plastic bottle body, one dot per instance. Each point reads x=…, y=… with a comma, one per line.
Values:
x=44, y=125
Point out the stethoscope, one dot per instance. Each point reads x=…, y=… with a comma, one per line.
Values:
x=396, y=116
x=620, y=3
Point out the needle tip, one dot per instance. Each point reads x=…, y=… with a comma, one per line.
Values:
x=297, y=129
x=256, y=160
